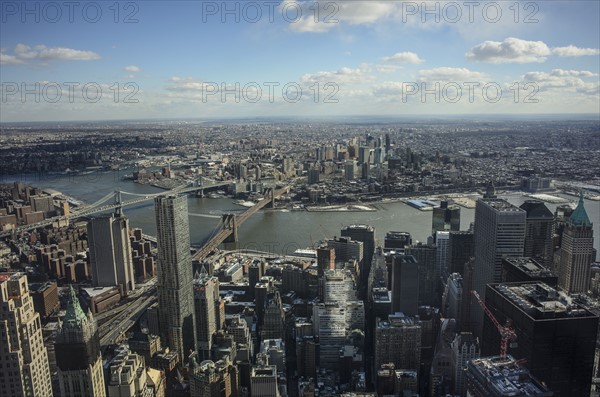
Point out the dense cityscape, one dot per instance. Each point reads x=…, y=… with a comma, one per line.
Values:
x=299, y=198
x=508, y=303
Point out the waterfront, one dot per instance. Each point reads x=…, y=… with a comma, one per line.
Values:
x=279, y=231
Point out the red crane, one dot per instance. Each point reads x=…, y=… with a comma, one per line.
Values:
x=507, y=333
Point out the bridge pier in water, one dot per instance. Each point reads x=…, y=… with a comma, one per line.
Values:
x=230, y=223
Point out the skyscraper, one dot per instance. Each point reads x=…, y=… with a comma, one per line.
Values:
x=461, y=248
x=555, y=335
x=24, y=366
x=576, y=251
x=365, y=234
x=445, y=218
x=405, y=285
x=78, y=354
x=464, y=349
x=175, y=290
x=206, y=297
x=398, y=341
x=499, y=232
x=110, y=252
x=539, y=232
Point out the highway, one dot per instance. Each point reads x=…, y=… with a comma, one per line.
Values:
x=116, y=322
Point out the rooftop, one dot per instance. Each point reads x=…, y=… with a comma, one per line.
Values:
x=501, y=205
x=530, y=266
x=505, y=377
x=540, y=301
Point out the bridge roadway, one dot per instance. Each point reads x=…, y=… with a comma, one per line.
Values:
x=108, y=207
x=225, y=232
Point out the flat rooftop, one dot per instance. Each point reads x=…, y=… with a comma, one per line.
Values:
x=505, y=377
x=540, y=301
x=530, y=266
x=501, y=205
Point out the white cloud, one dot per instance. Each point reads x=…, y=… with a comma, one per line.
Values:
x=450, y=74
x=24, y=53
x=572, y=51
x=322, y=16
x=406, y=57
x=511, y=50
x=343, y=76
x=6, y=59
x=563, y=81
x=132, y=68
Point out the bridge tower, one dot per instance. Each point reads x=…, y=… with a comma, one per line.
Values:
x=119, y=202
x=200, y=185
x=230, y=223
x=270, y=195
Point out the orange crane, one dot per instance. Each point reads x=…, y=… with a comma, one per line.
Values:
x=507, y=332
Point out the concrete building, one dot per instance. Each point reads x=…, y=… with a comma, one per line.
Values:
x=526, y=269
x=110, y=253
x=539, y=232
x=499, y=377
x=395, y=241
x=175, y=278
x=398, y=341
x=405, y=291
x=263, y=381
x=445, y=218
x=461, y=248
x=206, y=299
x=128, y=376
x=78, y=354
x=499, y=233
x=465, y=348
x=576, y=252
x=23, y=356
x=346, y=249
x=329, y=320
x=214, y=379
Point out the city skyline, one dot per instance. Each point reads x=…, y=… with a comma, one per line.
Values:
x=371, y=54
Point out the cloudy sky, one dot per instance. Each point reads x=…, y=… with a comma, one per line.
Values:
x=170, y=59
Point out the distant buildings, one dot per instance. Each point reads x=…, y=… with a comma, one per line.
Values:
x=175, y=289
x=25, y=370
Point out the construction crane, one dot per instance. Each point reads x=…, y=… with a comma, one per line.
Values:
x=507, y=333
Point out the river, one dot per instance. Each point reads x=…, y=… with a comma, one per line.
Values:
x=270, y=230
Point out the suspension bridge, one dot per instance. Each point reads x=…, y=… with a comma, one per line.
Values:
x=103, y=204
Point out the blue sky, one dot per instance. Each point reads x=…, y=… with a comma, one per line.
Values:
x=377, y=57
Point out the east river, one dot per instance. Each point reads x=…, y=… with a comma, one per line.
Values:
x=280, y=231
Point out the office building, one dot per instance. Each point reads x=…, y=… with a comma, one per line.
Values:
x=445, y=218
x=329, y=322
x=426, y=256
x=214, y=379
x=175, y=278
x=273, y=326
x=110, y=252
x=127, y=376
x=442, y=240
x=405, y=291
x=539, y=232
x=503, y=376
x=338, y=287
x=350, y=170
x=461, y=248
x=526, y=269
x=452, y=298
x=78, y=354
x=465, y=347
x=395, y=241
x=263, y=381
x=325, y=259
x=346, y=249
x=499, y=233
x=206, y=299
x=576, y=252
x=314, y=176
x=398, y=341
x=555, y=335
x=23, y=356
x=365, y=234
